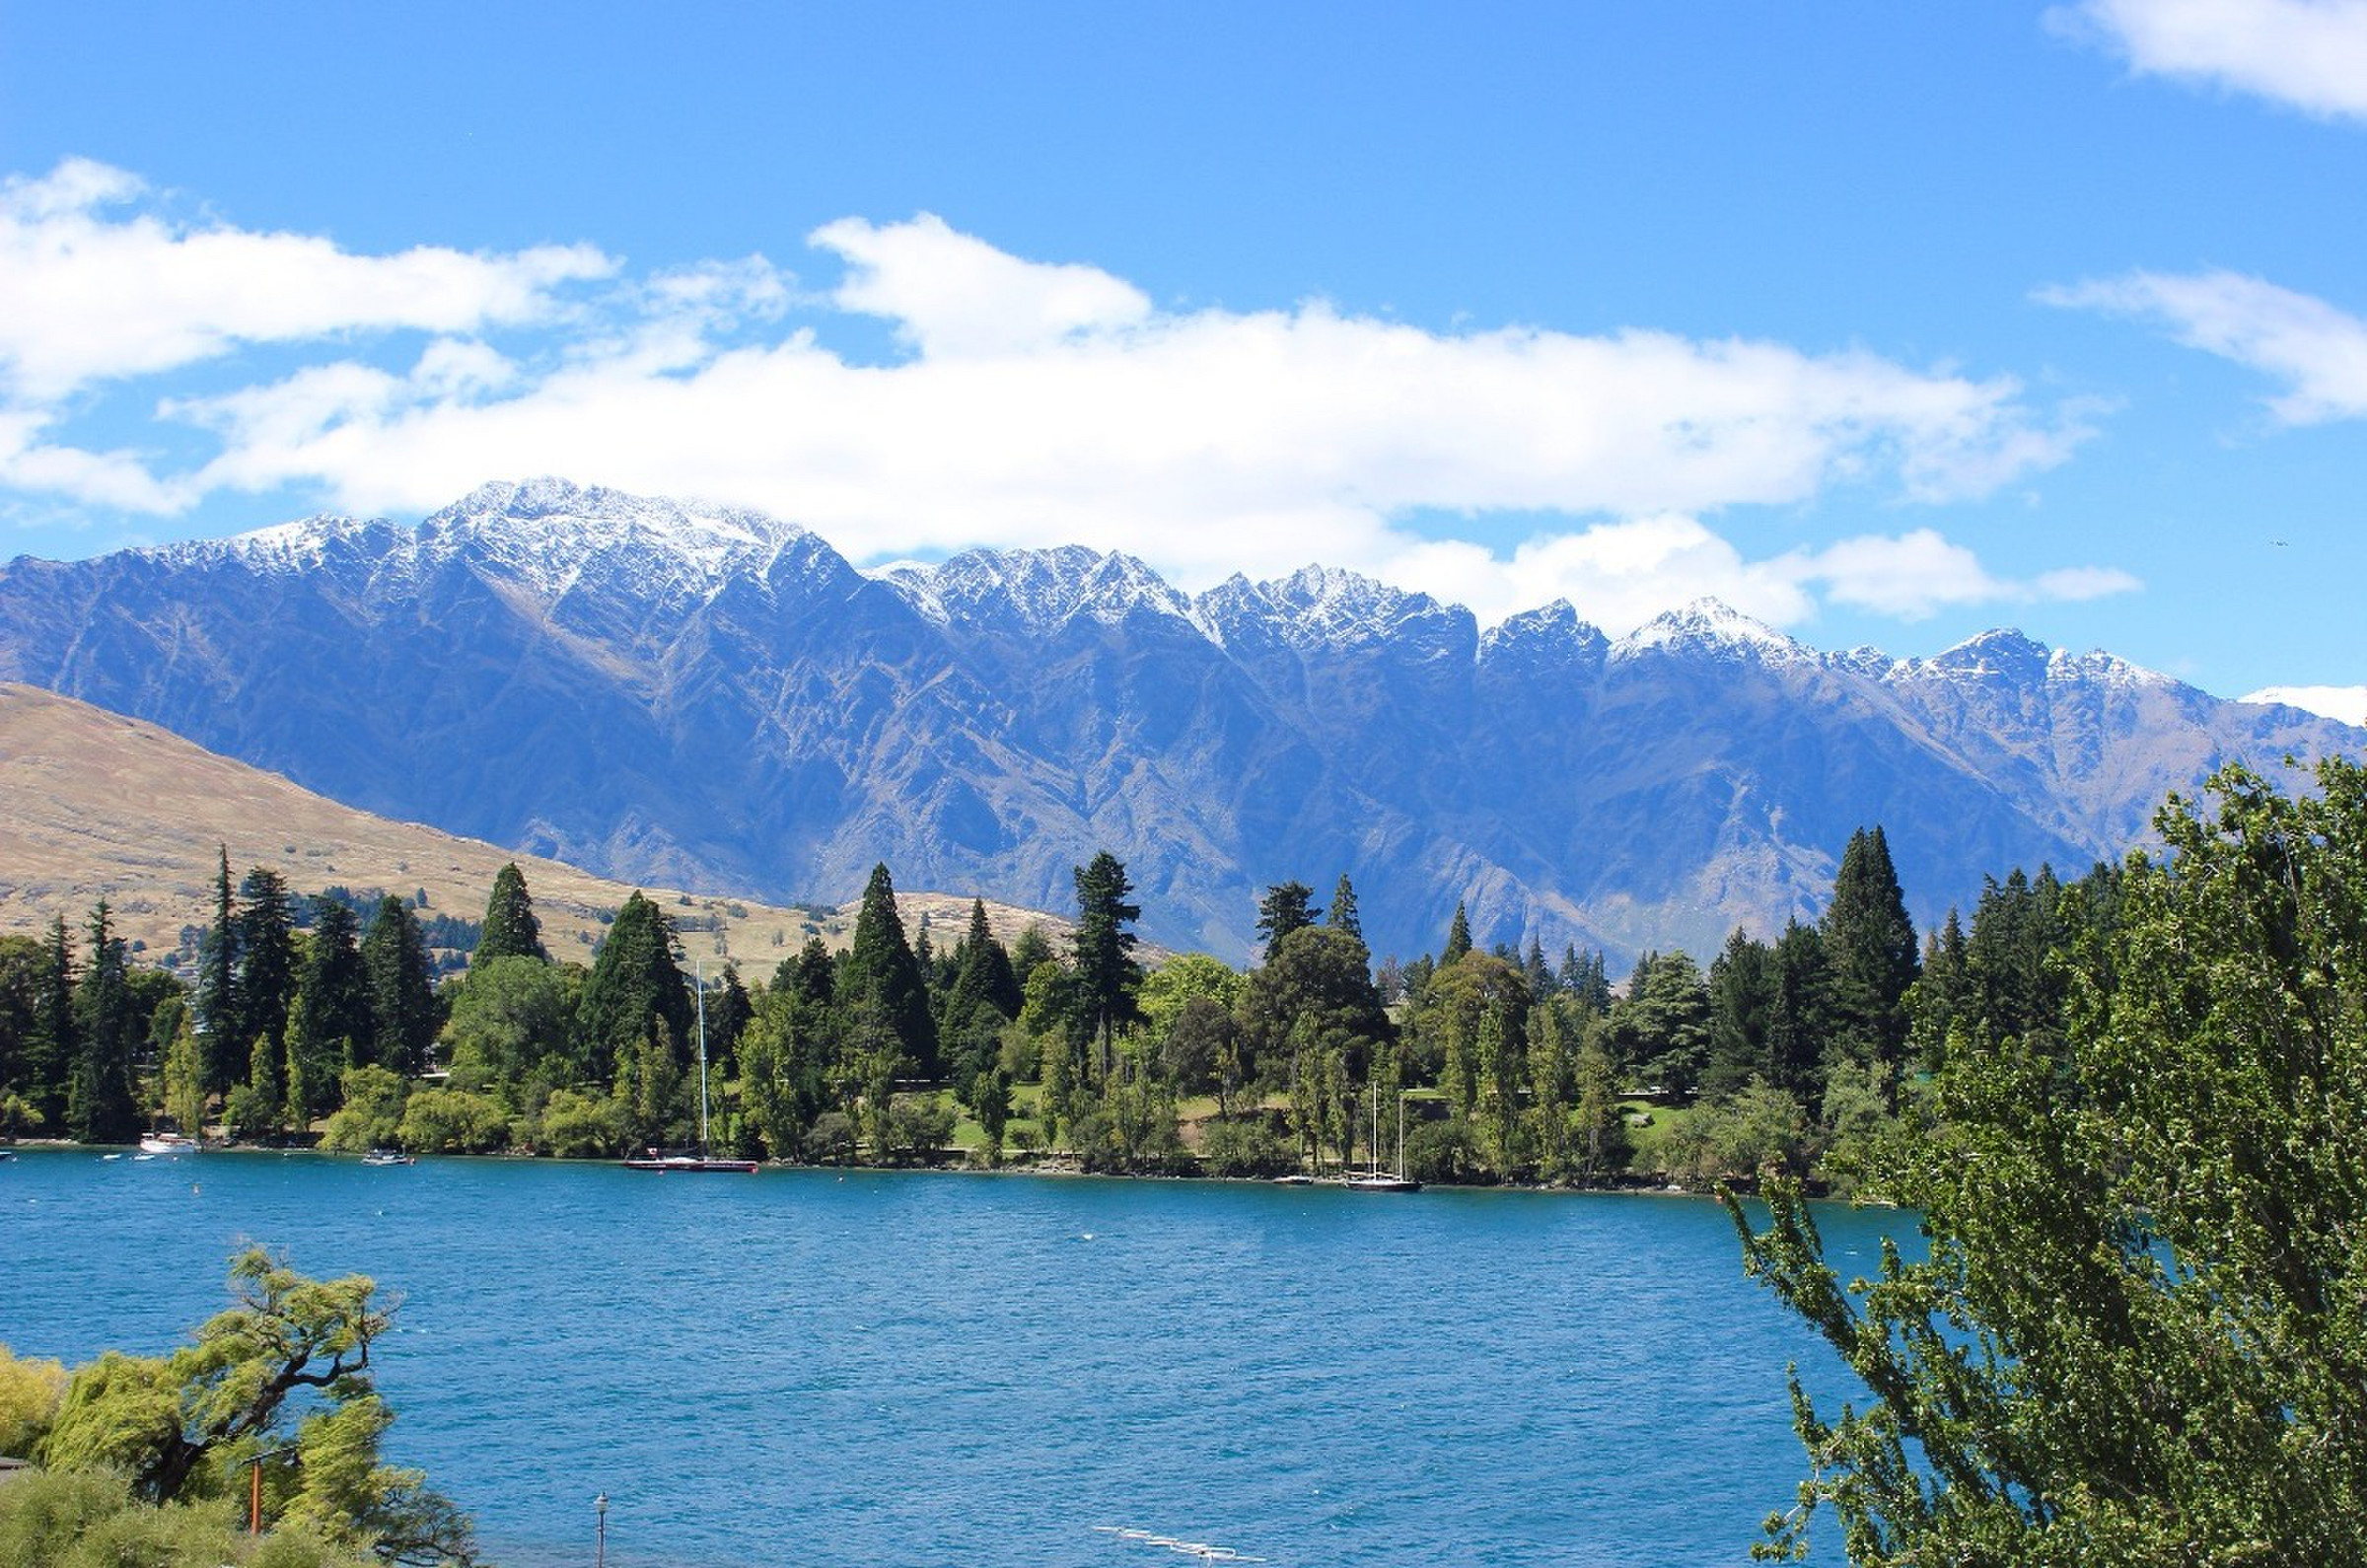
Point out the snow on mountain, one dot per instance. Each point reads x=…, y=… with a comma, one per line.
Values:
x=708, y=697
x=1710, y=625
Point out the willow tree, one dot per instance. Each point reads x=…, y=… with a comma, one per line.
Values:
x=2140, y=1331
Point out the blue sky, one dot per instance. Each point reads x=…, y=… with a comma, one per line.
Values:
x=1886, y=322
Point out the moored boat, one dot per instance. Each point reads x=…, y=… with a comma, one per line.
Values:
x=388, y=1157
x=168, y=1143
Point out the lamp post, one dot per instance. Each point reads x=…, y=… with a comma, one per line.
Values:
x=600, y=1507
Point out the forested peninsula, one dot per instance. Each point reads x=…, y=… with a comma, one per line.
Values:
x=302, y=1024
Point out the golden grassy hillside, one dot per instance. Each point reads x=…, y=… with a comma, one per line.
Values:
x=94, y=805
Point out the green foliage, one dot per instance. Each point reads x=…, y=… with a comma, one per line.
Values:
x=1249, y=1147
x=2140, y=1332
x=403, y=1003
x=90, y=1520
x=580, y=1127
x=1870, y=947
x=511, y=929
x=372, y=1115
x=635, y=987
x=99, y=1098
x=513, y=1018
x=1286, y=907
x=186, y=1428
x=883, y=976
x=1105, y=976
x=29, y=1391
x=452, y=1121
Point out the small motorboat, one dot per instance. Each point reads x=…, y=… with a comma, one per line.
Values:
x=388, y=1157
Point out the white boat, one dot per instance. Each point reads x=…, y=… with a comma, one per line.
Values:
x=168, y=1143
x=388, y=1157
x=1374, y=1180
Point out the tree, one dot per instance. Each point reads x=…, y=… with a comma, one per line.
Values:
x=99, y=1095
x=1870, y=945
x=1105, y=975
x=1459, y=937
x=1342, y=914
x=511, y=930
x=219, y=1017
x=883, y=975
x=189, y=1425
x=1286, y=907
x=402, y=997
x=2135, y=1338
x=54, y=1045
x=266, y=945
x=330, y=1025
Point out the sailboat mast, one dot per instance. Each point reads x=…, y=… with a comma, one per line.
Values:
x=701, y=967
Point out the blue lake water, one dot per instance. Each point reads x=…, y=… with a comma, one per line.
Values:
x=802, y=1368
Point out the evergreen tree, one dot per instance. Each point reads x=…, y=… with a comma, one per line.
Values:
x=1870, y=949
x=1286, y=907
x=98, y=1101
x=219, y=1016
x=883, y=976
x=729, y=1010
x=402, y=997
x=1662, y=1025
x=1943, y=993
x=1342, y=915
x=329, y=1026
x=1106, y=974
x=267, y=947
x=1459, y=937
x=56, y=1043
x=1742, y=999
x=1801, y=1018
x=1032, y=948
x=635, y=987
x=511, y=930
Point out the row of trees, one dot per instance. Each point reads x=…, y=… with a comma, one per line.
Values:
x=1506, y=1067
x=93, y=1046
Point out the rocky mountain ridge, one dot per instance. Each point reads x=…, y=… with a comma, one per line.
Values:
x=708, y=697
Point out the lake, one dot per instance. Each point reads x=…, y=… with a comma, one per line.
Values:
x=802, y=1367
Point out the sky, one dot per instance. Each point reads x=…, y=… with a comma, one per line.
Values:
x=1886, y=324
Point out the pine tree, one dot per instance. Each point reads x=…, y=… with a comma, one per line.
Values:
x=56, y=1043
x=1870, y=949
x=1286, y=907
x=883, y=975
x=267, y=946
x=219, y=1016
x=1459, y=937
x=511, y=930
x=98, y=1099
x=402, y=998
x=329, y=1024
x=635, y=986
x=1106, y=976
x=1342, y=915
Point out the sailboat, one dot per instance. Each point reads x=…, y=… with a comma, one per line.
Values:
x=1373, y=1178
x=665, y=1159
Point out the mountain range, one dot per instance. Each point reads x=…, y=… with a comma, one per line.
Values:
x=708, y=697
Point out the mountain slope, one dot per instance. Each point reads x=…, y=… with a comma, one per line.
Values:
x=711, y=698
x=95, y=804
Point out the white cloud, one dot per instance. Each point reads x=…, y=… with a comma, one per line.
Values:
x=2344, y=704
x=93, y=296
x=2318, y=351
x=953, y=296
x=1036, y=404
x=2310, y=54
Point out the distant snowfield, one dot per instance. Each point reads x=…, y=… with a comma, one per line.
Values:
x=2344, y=704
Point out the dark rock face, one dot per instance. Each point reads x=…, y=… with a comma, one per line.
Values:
x=713, y=698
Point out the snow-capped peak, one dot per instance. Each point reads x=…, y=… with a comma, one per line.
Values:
x=1712, y=623
x=1042, y=589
